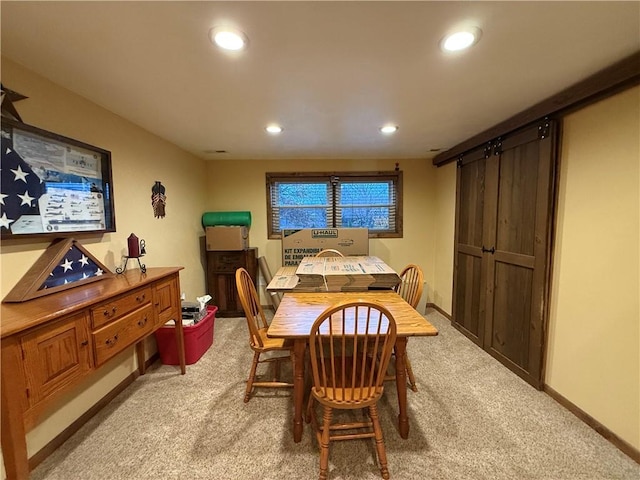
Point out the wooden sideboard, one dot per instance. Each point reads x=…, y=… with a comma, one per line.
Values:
x=51, y=343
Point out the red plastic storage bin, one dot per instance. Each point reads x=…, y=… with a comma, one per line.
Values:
x=197, y=340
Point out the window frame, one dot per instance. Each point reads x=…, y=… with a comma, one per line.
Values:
x=395, y=176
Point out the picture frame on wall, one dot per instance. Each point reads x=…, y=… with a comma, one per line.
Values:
x=52, y=185
x=63, y=265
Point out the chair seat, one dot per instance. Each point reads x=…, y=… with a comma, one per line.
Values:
x=348, y=395
x=273, y=343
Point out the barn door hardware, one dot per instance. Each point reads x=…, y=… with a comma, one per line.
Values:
x=543, y=129
x=497, y=147
x=487, y=149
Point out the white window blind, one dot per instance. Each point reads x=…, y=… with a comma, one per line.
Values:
x=335, y=200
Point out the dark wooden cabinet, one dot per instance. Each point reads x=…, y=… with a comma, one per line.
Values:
x=221, y=278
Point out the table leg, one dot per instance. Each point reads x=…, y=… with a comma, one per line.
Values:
x=401, y=385
x=299, y=348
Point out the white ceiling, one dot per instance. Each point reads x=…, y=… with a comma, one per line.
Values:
x=331, y=73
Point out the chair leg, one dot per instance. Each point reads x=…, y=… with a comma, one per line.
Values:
x=412, y=379
x=377, y=430
x=309, y=411
x=276, y=374
x=324, y=442
x=252, y=376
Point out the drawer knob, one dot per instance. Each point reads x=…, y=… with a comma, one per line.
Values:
x=142, y=322
x=110, y=313
x=110, y=342
x=141, y=298
x=85, y=343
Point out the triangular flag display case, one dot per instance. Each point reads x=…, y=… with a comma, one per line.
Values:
x=64, y=264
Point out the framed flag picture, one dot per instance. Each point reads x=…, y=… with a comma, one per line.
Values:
x=64, y=264
x=52, y=185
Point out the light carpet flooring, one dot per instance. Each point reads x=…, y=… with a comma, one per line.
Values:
x=471, y=419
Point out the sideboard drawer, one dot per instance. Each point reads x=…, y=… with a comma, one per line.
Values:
x=110, y=311
x=118, y=335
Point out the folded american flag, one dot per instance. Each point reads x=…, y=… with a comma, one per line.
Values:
x=20, y=187
x=74, y=266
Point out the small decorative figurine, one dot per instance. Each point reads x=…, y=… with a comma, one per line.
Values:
x=158, y=199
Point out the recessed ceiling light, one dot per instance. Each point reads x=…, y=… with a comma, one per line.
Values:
x=228, y=38
x=460, y=40
x=389, y=129
x=274, y=129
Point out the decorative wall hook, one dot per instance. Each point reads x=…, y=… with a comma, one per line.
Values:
x=158, y=199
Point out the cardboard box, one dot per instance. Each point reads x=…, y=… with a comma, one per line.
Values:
x=348, y=274
x=227, y=238
x=297, y=244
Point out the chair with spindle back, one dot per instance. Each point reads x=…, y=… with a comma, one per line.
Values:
x=350, y=346
x=410, y=289
x=329, y=252
x=258, y=340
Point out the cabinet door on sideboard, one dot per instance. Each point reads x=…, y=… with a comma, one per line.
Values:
x=221, y=280
x=55, y=357
x=167, y=300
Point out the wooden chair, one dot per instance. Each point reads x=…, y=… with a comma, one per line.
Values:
x=258, y=339
x=410, y=288
x=350, y=347
x=329, y=252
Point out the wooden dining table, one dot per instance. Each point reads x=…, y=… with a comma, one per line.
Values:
x=298, y=311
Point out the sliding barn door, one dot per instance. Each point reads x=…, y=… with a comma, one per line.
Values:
x=470, y=267
x=503, y=230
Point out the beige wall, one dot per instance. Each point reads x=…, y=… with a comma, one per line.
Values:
x=138, y=159
x=241, y=186
x=444, y=231
x=593, y=354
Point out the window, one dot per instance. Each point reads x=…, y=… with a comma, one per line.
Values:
x=335, y=200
